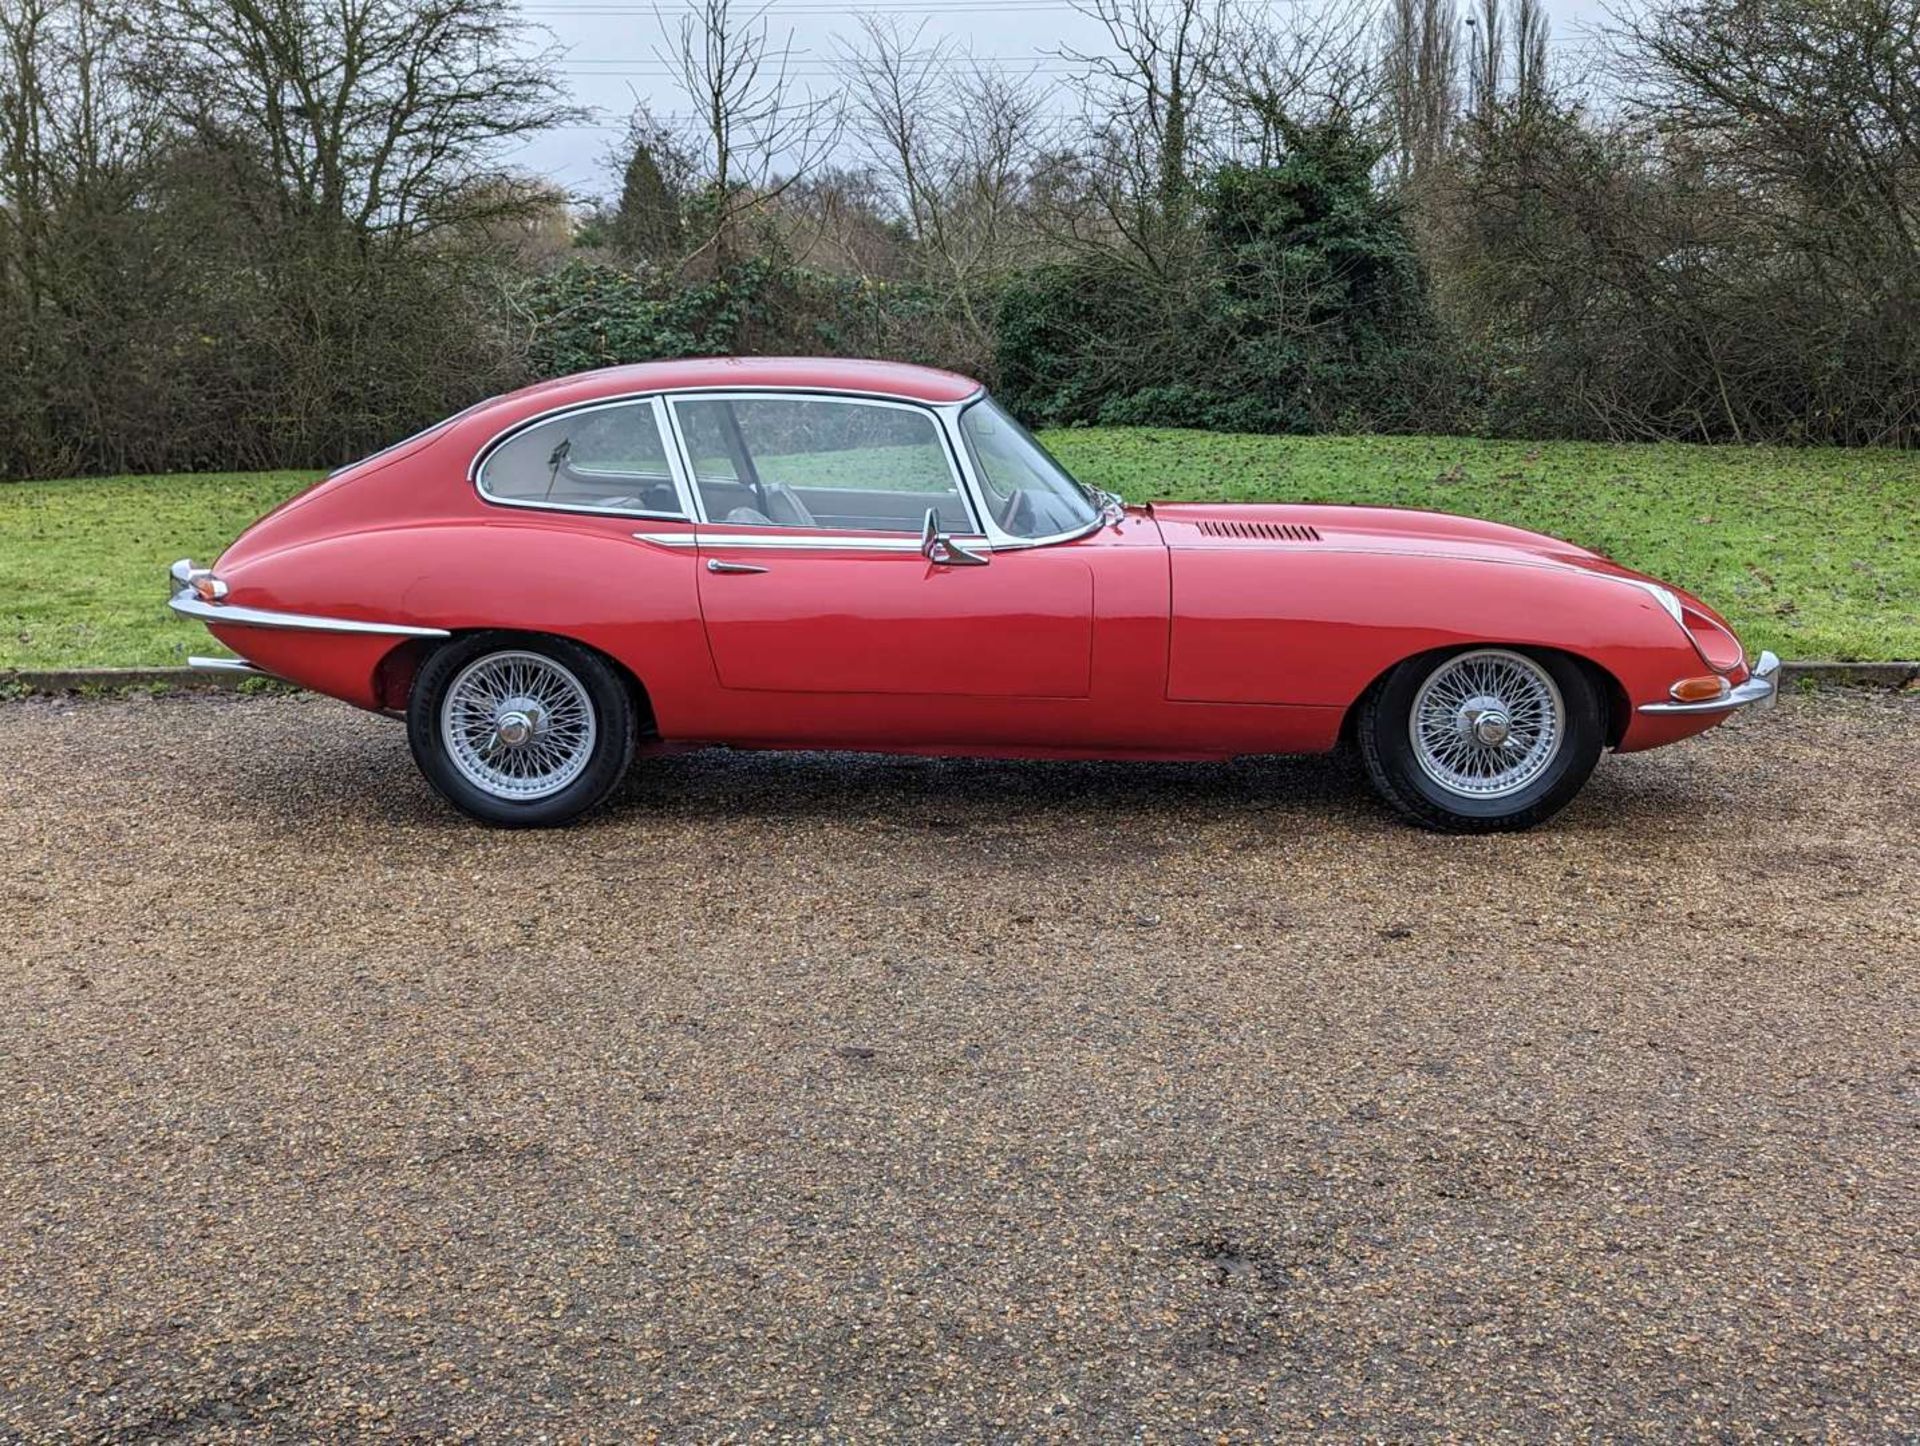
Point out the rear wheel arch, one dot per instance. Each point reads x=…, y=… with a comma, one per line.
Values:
x=394, y=678
x=521, y=729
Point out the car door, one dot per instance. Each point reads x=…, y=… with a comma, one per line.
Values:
x=812, y=575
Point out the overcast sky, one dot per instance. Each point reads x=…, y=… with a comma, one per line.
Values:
x=612, y=49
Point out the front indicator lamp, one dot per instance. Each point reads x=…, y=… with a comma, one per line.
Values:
x=1699, y=690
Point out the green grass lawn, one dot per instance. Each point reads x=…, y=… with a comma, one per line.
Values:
x=1815, y=554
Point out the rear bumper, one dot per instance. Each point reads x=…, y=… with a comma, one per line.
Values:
x=184, y=599
x=226, y=665
x=225, y=613
x=1759, y=691
x=342, y=657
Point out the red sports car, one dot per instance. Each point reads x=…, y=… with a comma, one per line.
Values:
x=840, y=554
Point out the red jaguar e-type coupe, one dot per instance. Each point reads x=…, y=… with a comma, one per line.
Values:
x=839, y=554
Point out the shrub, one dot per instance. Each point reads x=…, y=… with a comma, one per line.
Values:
x=1303, y=308
x=589, y=313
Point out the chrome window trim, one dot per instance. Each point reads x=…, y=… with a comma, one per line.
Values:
x=1003, y=541
x=628, y=512
x=801, y=541
x=190, y=606
x=476, y=469
x=932, y=411
x=1006, y=542
x=683, y=464
x=562, y=408
x=946, y=417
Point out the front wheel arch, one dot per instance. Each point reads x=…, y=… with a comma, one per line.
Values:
x=1524, y=788
x=1619, y=712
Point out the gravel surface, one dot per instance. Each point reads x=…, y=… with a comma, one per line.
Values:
x=864, y=1098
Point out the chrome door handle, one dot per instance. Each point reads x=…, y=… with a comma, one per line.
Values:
x=714, y=564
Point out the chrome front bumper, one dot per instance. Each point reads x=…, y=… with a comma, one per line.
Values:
x=1758, y=692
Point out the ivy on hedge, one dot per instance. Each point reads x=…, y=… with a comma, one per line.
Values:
x=592, y=313
x=1298, y=305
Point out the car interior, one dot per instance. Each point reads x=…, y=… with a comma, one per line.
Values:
x=844, y=466
x=832, y=464
x=606, y=457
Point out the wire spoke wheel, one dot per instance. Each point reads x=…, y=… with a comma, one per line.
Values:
x=518, y=725
x=1487, y=723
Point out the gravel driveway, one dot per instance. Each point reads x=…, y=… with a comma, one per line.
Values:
x=859, y=1098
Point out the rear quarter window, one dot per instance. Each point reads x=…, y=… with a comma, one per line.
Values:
x=607, y=458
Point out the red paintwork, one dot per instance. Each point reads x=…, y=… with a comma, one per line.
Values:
x=797, y=630
x=1150, y=638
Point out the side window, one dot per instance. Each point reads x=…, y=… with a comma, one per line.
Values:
x=841, y=466
x=611, y=458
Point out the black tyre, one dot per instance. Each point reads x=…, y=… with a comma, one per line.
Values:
x=520, y=732
x=1483, y=740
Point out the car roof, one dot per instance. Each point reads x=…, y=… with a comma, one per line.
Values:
x=832, y=374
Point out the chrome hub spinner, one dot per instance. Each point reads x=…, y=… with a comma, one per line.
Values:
x=518, y=724
x=1485, y=720
x=1487, y=723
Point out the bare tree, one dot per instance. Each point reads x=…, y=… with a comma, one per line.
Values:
x=1532, y=78
x=75, y=133
x=957, y=144
x=1506, y=58
x=1803, y=119
x=997, y=138
x=1486, y=57
x=757, y=132
x=1420, y=53
x=386, y=117
x=1814, y=105
x=1151, y=97
x=77, y=144
x=1318, y=69
x=842, y=219
x=897, y=95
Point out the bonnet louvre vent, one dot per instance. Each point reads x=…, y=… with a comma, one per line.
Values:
x=1275, y=531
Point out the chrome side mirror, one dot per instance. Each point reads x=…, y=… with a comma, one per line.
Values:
x=937, y=547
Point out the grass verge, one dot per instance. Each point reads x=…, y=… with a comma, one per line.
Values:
x=1815, y=554
x=83, y=564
